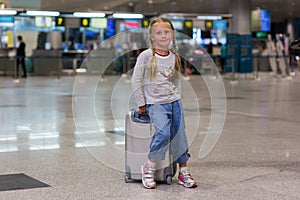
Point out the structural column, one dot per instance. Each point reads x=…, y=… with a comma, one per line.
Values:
x=239, y=39
x=241, y=12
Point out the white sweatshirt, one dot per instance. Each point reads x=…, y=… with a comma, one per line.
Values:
x=165, y=88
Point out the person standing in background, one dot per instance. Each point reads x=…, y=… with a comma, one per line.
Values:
x=272, y=54
x=21, y=56
x=280, y=55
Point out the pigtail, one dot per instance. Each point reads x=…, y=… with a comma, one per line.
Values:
x=177, y=57
x=153, y=66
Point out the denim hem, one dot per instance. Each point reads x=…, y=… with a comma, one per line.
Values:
x=183, y=158
x=156, y=156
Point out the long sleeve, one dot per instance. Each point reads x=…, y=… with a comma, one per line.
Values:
x=138, y=81
x=176, y=80
x=177, y=84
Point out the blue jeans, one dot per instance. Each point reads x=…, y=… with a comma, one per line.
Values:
x=168, y=121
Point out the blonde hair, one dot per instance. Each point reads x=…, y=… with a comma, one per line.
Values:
x=174, y=49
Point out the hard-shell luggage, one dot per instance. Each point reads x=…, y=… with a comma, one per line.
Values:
x=137, y=141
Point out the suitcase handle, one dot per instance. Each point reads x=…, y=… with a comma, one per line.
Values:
x=138, y=117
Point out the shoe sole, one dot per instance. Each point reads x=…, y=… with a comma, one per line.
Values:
x=145, y=186
x=182, y=183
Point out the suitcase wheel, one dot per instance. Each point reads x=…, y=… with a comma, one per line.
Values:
x=126, y=178
x=169, y=180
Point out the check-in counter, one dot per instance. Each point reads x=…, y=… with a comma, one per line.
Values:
x=47, y=62
x=100, y=61
x=7, y=61
x=73, y=59
x=57, y=62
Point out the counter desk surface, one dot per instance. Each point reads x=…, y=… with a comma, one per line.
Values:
x=7, y=61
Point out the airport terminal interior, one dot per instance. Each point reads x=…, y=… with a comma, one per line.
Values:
x=64, y=130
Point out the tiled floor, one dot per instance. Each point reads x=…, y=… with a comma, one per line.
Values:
x=69, y=134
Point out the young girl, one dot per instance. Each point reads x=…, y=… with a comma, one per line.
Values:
x=156, y=86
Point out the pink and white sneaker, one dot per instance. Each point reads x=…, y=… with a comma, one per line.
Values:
x=148, y=176
x=186, y=180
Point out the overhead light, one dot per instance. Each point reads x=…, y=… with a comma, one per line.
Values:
x=89, y=14
x=2, y=5
x=7, y=12
x=42, y=13
x=128, y=15
x=150, y=2
x=210, y=17
x=130, y=4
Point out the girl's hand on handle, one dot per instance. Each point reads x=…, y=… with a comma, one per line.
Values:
x=142, y=109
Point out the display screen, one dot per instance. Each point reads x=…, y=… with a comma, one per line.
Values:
x=43, y=22
x=200, y=24
x=98, y=22
x=110, y=28
x=6, y=21
x=178, y=24
x=209, y=24
x=131, y=24
x=59, y=21
x=261, y=35
x=260, y=21
x=84, y=22
x=145, y=22
x=265, y=20
x=220, y=25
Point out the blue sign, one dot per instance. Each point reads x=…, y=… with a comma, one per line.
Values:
x=220, y=25
x=265, y=20
x=7, y=20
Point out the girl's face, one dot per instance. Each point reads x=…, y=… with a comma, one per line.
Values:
x=162, y=35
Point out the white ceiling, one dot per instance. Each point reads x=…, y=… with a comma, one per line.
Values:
x=280, y=10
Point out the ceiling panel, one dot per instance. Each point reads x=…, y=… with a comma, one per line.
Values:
x=279, y=9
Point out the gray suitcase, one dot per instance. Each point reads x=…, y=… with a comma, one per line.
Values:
x=137, y=141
